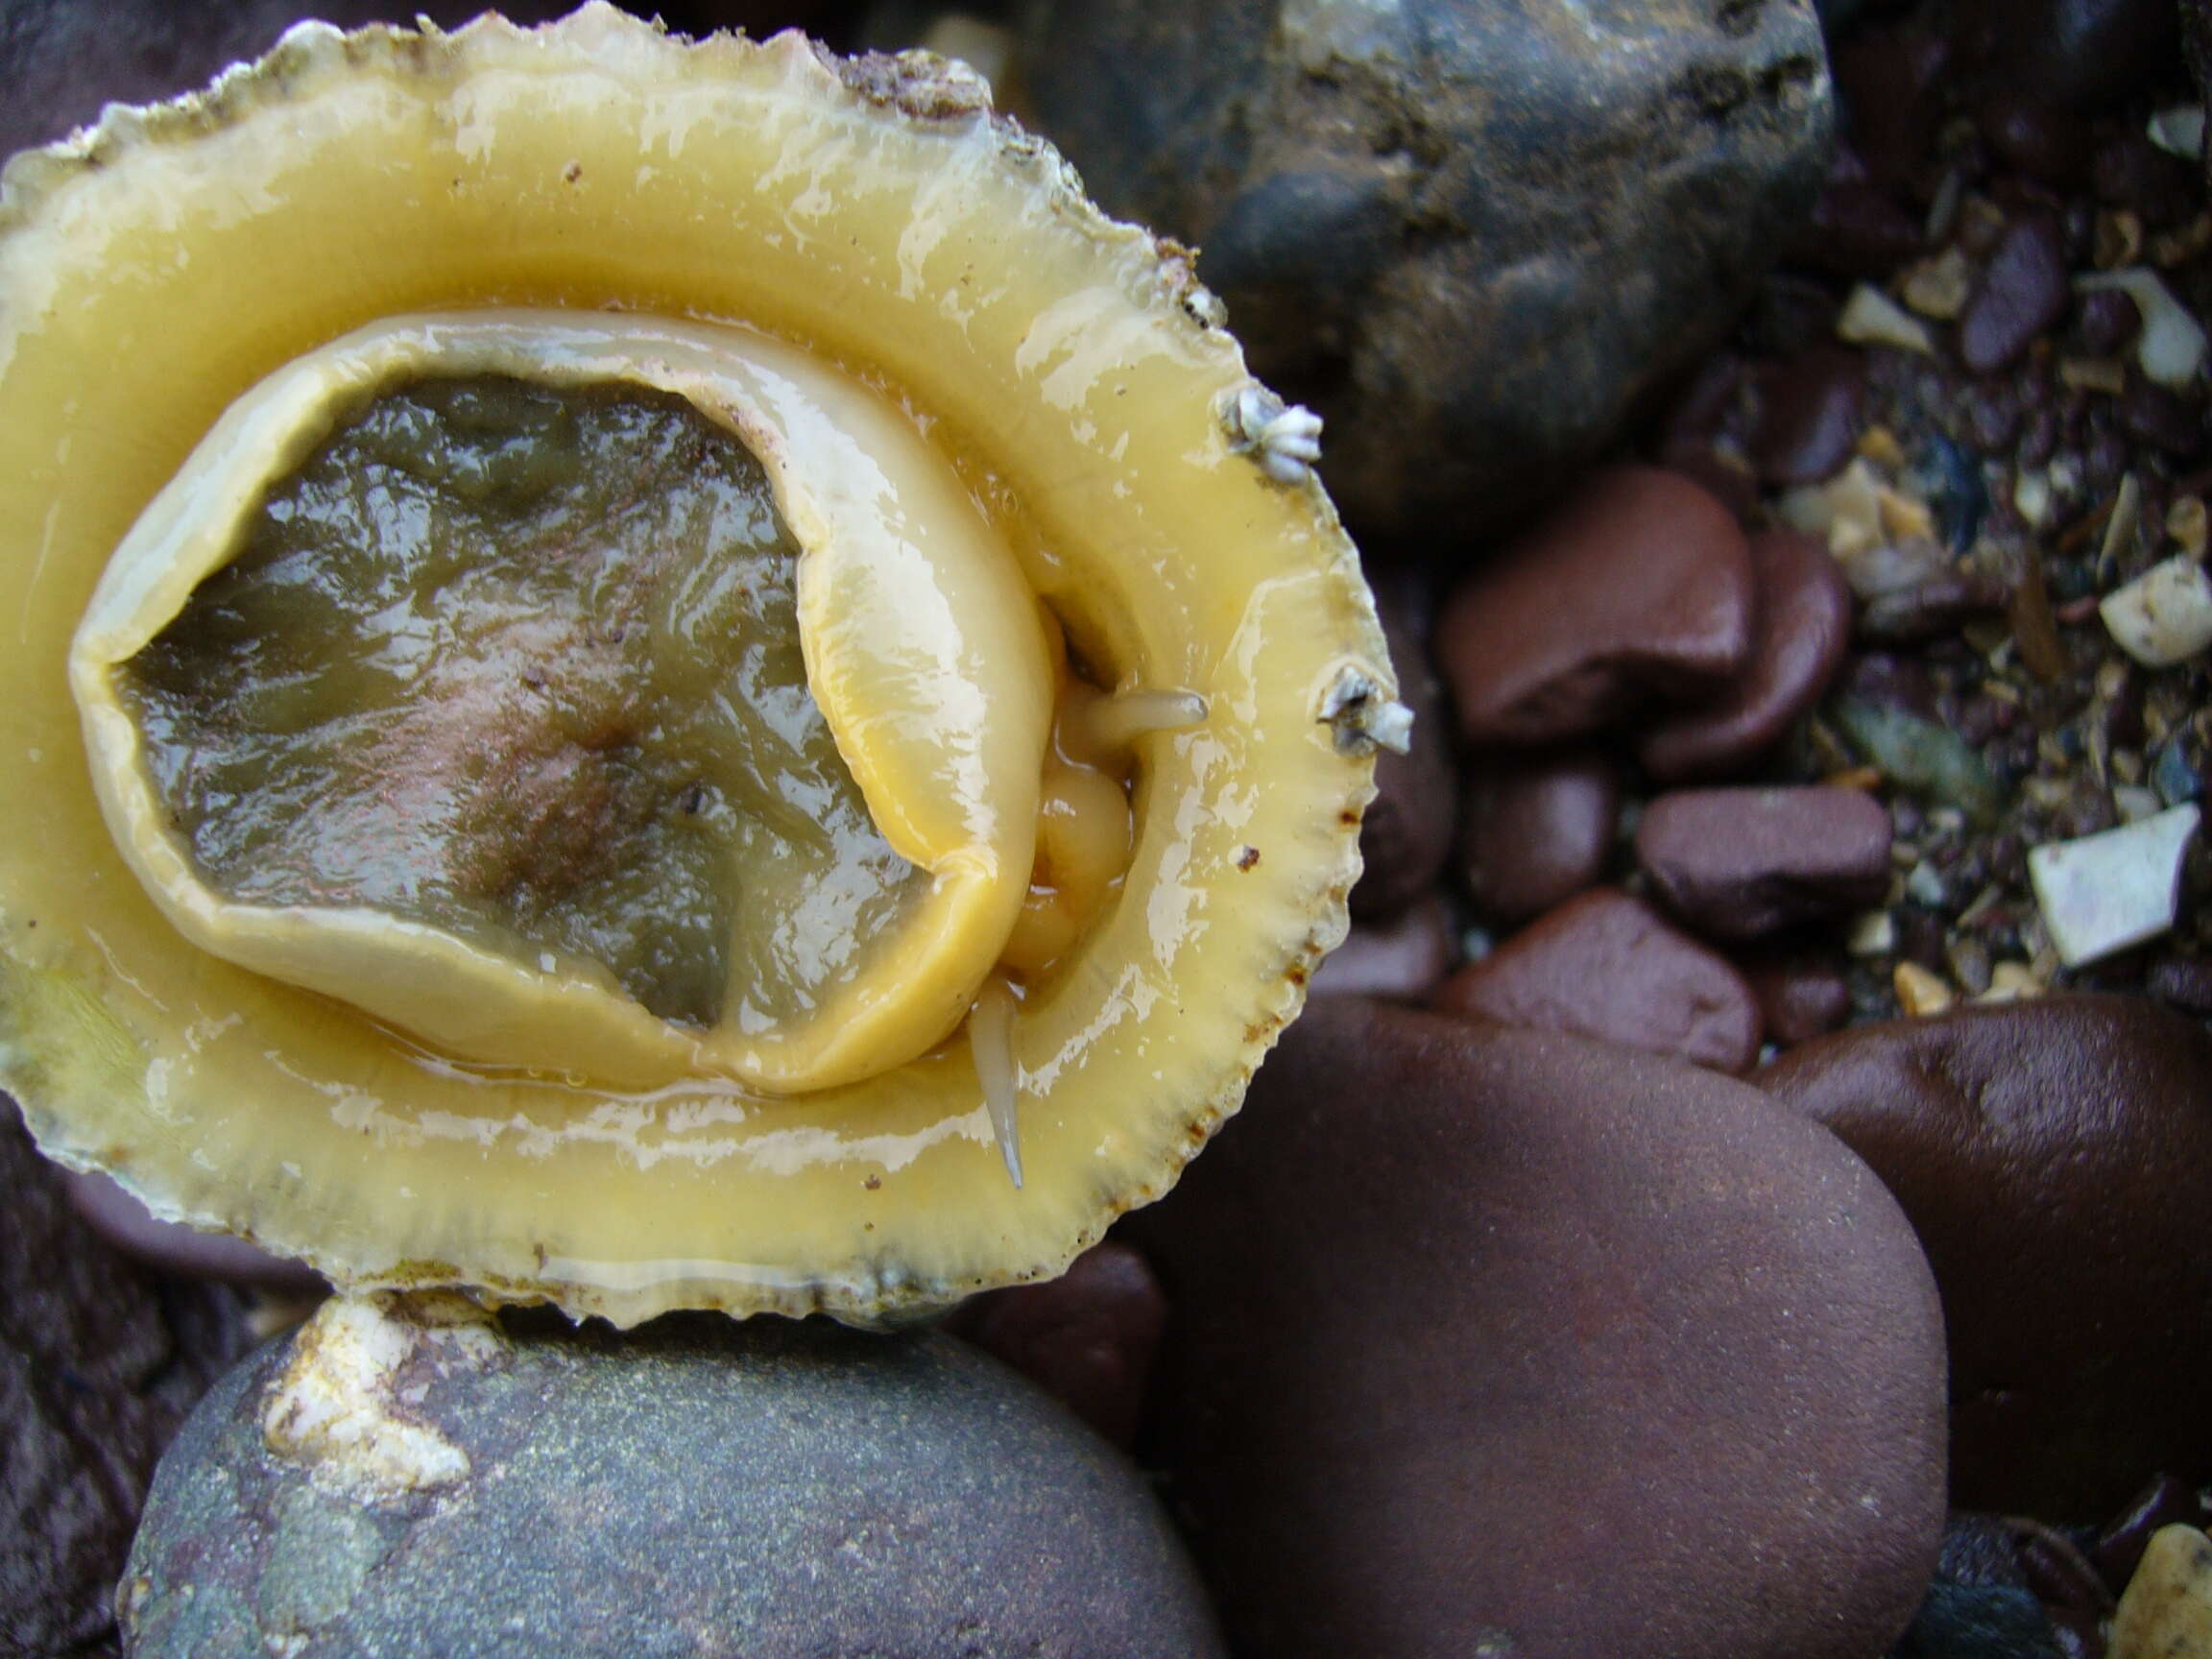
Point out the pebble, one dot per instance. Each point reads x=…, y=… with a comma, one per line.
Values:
x=1736, y=863
x=1800, y=629
x=2170, y=345
x=2022, y=291
x=2074, y=52
x=1536, y=832
x=1465, y=1315
x=1871, y=318
x=1856, y=230
x=2167, y=1611
x=776, y=1488
x=2053, y=1157
x=1406, y=835
x=1637, y=588
x=1606, y=965
x=1799, y=997
x=2164, y=616
x=2119, y=1543
x=1421, y=218
x=1810, y=412
x=1922, y=756
x=1930, y=610
x=2103, y=893
x=1088, y=1339
x=1404, y=959
x=100, y=1360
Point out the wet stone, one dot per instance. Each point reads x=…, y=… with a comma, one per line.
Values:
x=2054, y=1158
x=1421, y=215
x=1533, y=833
x=1801, y=628
x=1453, y=1300
x=1088, y=1339
x=1638, y=587
x=1739, y=862
x=1811, y=410
x=767, y=1488
x=2022, y=291
x=2167, y=1500
x=1799, y=997
x=100, y=1360
x=1857, y=231
x=1606, y=965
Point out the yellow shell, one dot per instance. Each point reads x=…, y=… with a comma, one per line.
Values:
x=1068, y=371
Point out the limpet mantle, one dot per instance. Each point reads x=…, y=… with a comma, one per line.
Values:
x=154, y=268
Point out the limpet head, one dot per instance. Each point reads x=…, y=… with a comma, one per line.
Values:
x=598, y=917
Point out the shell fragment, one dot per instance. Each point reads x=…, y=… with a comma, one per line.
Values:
x=2103, y=893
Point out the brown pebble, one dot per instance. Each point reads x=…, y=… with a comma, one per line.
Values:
x=2167, y=1500
x=1799, y=997
x=1857, y=231
x=1801, y=628
x=2105, y=321
x=1088, y=1339
x=2021, y=292
x=1739, y=862
x=1533, y=833
x=2053, y=1157
x=1404, y=959
x=1465, y=1315
x=1638, y=587
x=1606, y=965
x=1810, y=412
x=1929, y=609
x=2041, y=138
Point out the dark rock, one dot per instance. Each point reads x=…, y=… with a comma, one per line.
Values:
x=2105, y=322
x=1421, y=216
x=2168, y=1501
x=2167, y=421
x=1857, y=231
x=2130, y=171
x=1930, y=610
x=1462, y=1312
x=1978, y=1622
x=767, y=1488
x=2053, y=1157
x=1799, y=997
x=1738, y=863
x=1605, y=965
x=1802, y=626
x=1638, y=587
x=1403, y=960
x=2074, y=52
x=1890, y=76
x=1810, y=412
x=100, y=1360
x=2043, y=139
x=2022, y=291
x=1407, y=833
x=1088, y=1339
x=1533, y=833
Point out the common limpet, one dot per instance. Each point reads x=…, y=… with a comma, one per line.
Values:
x=1109, y=732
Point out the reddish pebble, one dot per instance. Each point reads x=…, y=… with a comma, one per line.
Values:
x=1639, y=587
x=1857, y=229
x=1810, y=410
x=1088, y=1339
x=2022, y=291
x=1799, y=999
x=1738, y=863
x=1803, y=625
x=1534, y=834
x=1404, y=959
x=2035, y=136
x=1606, y=965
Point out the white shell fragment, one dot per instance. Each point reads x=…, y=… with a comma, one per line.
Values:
x=1365, y=715
x=1285, y=437
x=2106, y=892
x=2164, y=616
x=2167, y=1610
x=1871, y=318
x=2170, y=348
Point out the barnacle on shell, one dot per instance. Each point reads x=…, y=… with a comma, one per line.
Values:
x=894, y=733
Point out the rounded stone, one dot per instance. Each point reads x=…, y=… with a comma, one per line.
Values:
x=1533, y=833
x=1607, y=965
x=409, y=1478
x=1637, y=588
x=1801, y=628
x=1737, y=863
x=1491, y=1342
x=2023, y=290
x=1471, y=235
x=2054, y=1158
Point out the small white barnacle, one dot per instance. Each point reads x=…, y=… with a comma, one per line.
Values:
x=1365, y=715
x=1285, y=437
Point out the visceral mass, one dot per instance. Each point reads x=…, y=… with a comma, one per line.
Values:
x=520, y=662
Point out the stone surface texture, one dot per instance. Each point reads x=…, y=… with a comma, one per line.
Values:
x=2053, y=1157
x=1536, y=832
x=1607, y=965
x=1494, y=1342
x=1470, y=235
x=701, y=1486
x=100, y=1360
x=1739, y=862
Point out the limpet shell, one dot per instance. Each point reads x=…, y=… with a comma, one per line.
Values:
x=876, y=213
